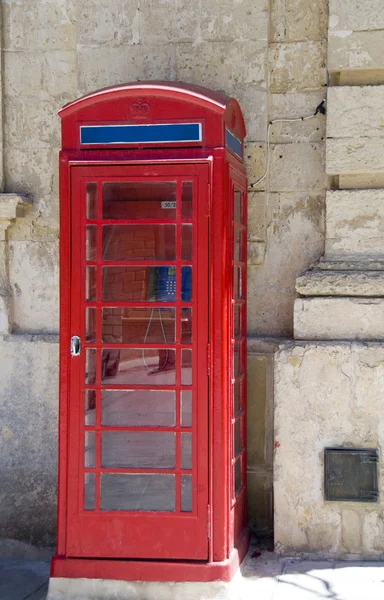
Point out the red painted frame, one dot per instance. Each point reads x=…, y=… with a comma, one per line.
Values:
x=228, y=533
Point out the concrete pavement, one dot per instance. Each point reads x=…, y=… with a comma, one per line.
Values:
x=265, y=576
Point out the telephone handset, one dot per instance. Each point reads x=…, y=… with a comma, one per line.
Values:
x=162, y=284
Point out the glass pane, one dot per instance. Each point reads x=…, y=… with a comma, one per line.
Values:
x=152, y=366
x=91, y=201
x=138, y=449
x=142, y=284
x=148, y=200
x=90, y=407
x=238, y=246
x=154, y=492
x=138, y=325
x=91, y=242
x=237, y=399
x=138, y=408
x=139, y=242
x=237, y=436
x=90, y=325
x=186, y=242
x=236, y=360
x=186, y=451
x=186, y=284
x=90, y=284
x=186, y=326
x=90, y=366
x=237, y=283
x=89, y=491
x=237, y=206
x=186, y=493
x=237, y=476
x=186, y=367
x=237, y=321
x=186, y=200
x=89, y=449
x=186, y=408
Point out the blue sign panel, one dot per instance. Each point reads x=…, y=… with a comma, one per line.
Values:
x=233, y=144
x=164, y=133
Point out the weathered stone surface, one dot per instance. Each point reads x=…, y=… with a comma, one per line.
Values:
x=180, y=23
x=351, y=530
x=32, y=123
x=227, y=20
x=28, y=438
x=354, y=155
x=297, y=167
x=355, y=111
x=256, y=216
x=355, y=50
x=255, y=252
x=340, y=283
x=295, y=239
x=325, y=395
x=284, y=106
x=100, y=22
x=339, y=319
x=297, y=20
x=298, y=66
x=355, y=222
x=255, y=163
x=356, y=15
x=33, y=276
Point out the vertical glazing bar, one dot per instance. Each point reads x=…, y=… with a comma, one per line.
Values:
x=99, y=285
x=178, y=340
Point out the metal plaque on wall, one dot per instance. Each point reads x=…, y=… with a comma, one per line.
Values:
x=350, y=474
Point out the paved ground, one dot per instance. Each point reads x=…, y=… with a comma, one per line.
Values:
x=265, y=577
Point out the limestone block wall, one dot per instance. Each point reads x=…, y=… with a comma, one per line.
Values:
x=326, y=395
x=270, y=55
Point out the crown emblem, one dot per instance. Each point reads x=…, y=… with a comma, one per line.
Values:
x=139, y=109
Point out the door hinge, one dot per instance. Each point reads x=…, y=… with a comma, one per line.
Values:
x=209, y=359
x=209, y=521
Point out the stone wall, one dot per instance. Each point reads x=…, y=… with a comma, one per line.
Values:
x=271, y=57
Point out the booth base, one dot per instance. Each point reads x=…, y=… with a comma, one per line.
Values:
x=101, y=579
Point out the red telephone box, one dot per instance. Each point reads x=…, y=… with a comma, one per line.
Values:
x=153, y=335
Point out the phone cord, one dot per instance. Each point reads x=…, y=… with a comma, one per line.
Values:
x=165, y=341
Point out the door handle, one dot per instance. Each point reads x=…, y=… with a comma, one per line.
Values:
x=75, y=345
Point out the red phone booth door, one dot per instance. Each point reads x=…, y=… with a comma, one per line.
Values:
x=138, y=408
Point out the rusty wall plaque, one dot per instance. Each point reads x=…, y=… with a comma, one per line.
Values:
x=350, y=474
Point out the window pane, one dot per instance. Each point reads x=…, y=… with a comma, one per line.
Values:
x=138, y=408
x=139, y=242
x=237, y=475
x=138, y=449
x=186, y=493
x=138, y=325
x=142, y=284
x=237, y=321
x=186, y=451
x=237, y=437
x=90, y=325
x=237, y=362
x=152, y=200
x=186, y=284
x=91, y=201
x=147, y=492
x=237, y=283
x=90, y=284
x=186, y=242
x=237, y=397
x=89, y=491
x=237, y=250
x=186, y=367
x=186, y=325
x=186, y=200
x=90, y=407
x=90, y=366
x=237, y=206
x=152, y=366
x=186, y=408
x=91, y=242
x=89, y=449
